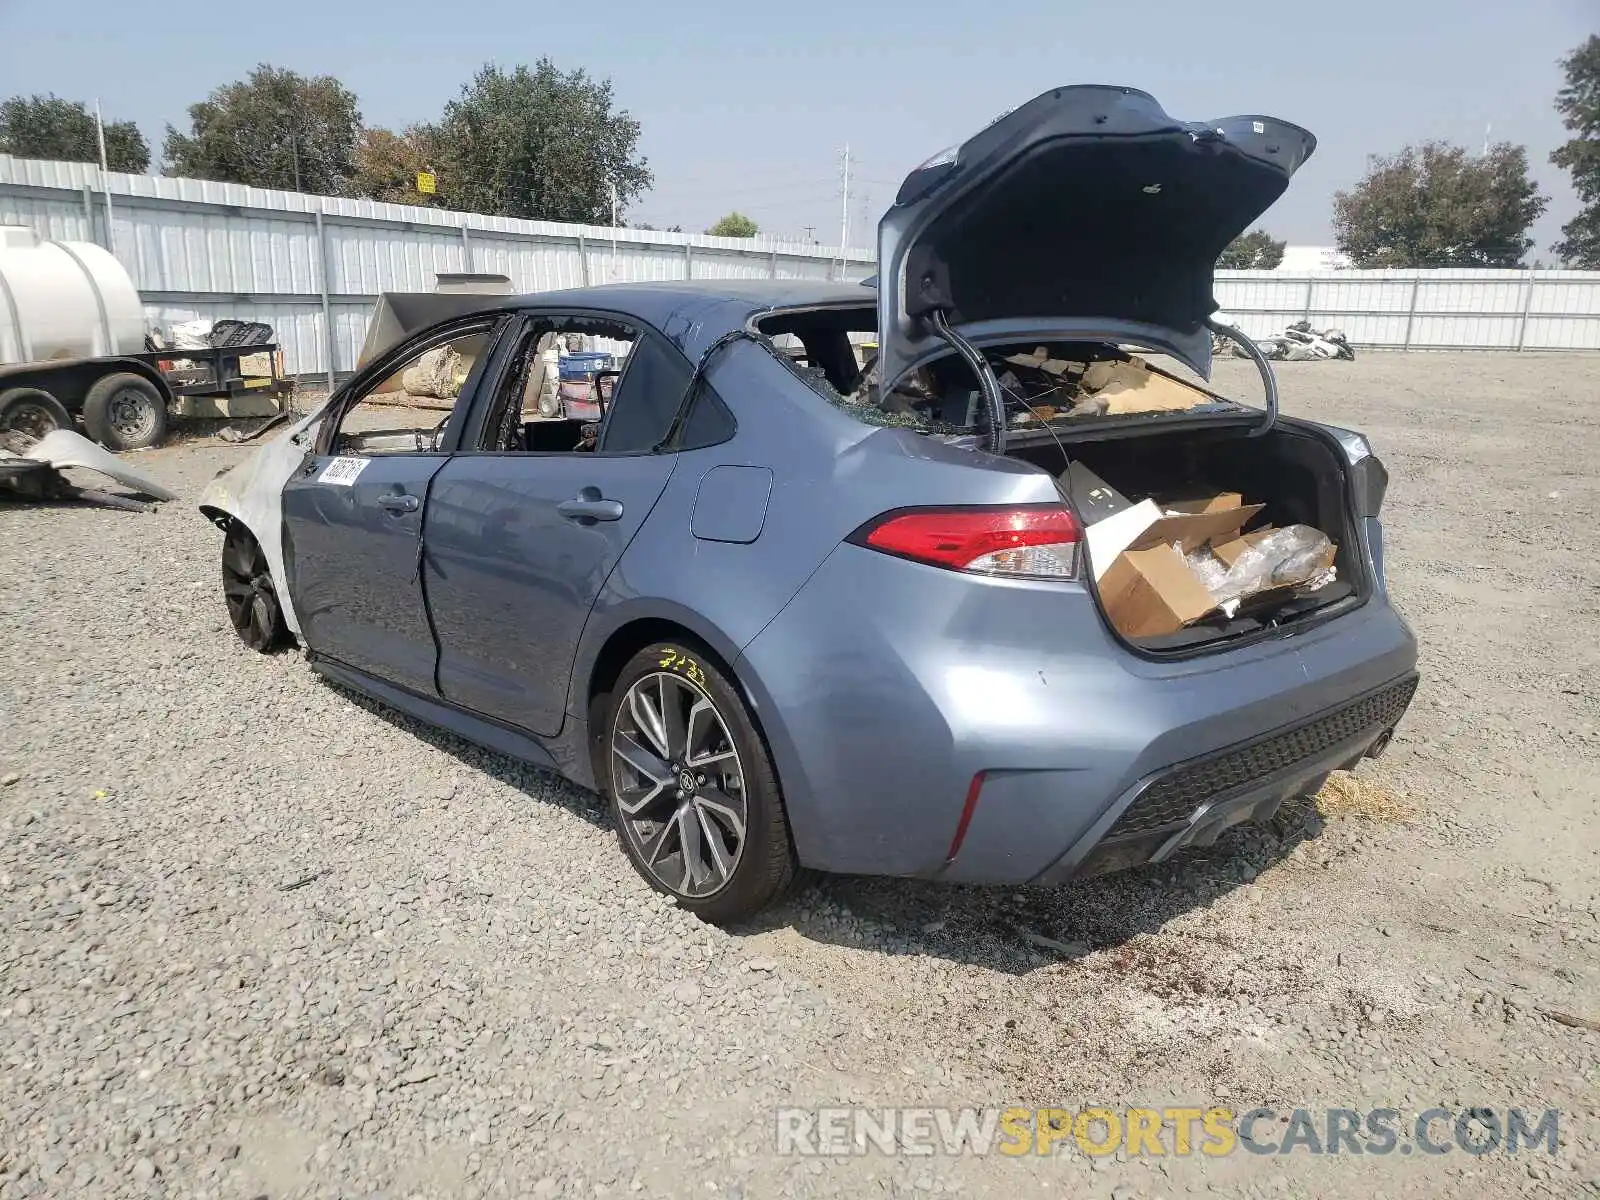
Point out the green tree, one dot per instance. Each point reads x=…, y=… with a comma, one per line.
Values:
x=276, y=129
x=63, y=130
x=735, y=224
x=387, y=165
x=1434, y=205
x=1579, y=106
x=1257, y=250
x=540, y=143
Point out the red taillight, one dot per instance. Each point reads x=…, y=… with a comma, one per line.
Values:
x=1034, y=542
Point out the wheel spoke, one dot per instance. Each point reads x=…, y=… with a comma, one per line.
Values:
x=722, y=808
x=235, y=588
x=673, y=723
x=660, y=845
x=695, y=872
x=633, y=801
x=641, y=759
x=648, y=719
x=702, y=723
x=721, y=865
x=715, y=756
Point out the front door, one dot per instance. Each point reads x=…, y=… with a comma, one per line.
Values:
x=352, y=527
x=353, y=513
x=521, y=538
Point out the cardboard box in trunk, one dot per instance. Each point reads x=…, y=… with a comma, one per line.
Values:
x=1190, y=531
x=1153, y=591
x=1148, y=589
x=1220, y=502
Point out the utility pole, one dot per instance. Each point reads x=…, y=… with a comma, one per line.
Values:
x=105, y=186
x=844, y=213
x=613, y=184
x=294, y=149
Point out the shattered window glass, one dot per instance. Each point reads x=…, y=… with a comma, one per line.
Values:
x=1042, y=385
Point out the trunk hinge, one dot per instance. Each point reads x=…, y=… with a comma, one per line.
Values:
x=988, y=385
x=1269, y=380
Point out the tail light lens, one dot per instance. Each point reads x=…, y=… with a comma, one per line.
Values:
x=1018, y=542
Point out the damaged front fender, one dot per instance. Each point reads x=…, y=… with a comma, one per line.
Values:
x=251, y=493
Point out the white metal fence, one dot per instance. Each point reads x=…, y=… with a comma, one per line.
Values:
x=310, y=266
x=1424, y=310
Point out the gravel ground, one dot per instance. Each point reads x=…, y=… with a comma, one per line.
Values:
x=264, y=938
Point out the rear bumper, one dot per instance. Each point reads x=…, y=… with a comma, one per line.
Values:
x=886, y=687
x=1190, y=803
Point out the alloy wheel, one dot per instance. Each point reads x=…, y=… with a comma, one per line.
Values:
x=247, y=587
x=679, y=785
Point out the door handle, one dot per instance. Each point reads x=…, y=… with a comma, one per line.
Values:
x=398, y=502
x=588, y=506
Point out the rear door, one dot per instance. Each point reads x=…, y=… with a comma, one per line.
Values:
x=520, y=540
x=353, y=512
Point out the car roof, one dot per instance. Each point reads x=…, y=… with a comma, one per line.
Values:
x=693, y=313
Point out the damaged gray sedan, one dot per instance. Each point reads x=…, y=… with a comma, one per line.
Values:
x=787, y=606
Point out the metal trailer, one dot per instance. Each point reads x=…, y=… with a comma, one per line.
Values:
x=126, y=401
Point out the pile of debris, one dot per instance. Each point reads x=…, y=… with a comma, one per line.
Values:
x=32, y=470
x=1042, y=389
x=1298, y=342
x=1050, y=387
x=209, y=335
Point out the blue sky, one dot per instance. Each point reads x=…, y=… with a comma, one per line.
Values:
x=748, y=106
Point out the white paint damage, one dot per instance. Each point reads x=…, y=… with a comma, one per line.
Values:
x=63, y=448
x=251, y=493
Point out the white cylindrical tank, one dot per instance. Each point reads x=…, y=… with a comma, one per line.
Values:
x=64, y=300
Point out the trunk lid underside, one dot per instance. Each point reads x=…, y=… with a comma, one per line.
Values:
x=1086, y=211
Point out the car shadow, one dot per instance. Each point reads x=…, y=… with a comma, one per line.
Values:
x=1016, y=930
x=542, y=785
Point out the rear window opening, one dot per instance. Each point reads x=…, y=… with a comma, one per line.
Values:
x=1045, y=386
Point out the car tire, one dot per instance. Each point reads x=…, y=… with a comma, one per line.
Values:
x=250, y=594
x=691, y=786
x=125, y=412
x=32, y=411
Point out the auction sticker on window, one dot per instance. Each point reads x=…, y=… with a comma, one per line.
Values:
x=343, y=471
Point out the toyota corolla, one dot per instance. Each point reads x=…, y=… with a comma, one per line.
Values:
x=812, y=575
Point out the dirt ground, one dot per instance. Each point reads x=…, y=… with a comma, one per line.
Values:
x=1424, y=936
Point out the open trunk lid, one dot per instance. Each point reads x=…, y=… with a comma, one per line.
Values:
x=1088, y=213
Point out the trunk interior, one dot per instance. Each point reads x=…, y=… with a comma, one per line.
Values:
x=1299, y=477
